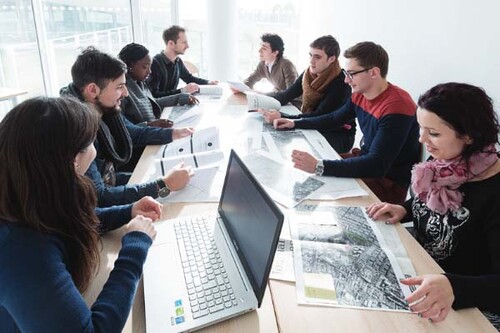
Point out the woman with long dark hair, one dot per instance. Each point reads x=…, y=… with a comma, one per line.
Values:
x=456, y=208
x=48, y=228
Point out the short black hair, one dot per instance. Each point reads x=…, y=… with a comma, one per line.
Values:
x=94, y=66
x=132, y=53
x=172, y=33
x=369, y=55
x=328, y=44
x=275, y=42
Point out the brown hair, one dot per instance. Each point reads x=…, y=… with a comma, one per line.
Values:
x=39, y=187
x=369, y=55
x=328, y=44
x=172, y=33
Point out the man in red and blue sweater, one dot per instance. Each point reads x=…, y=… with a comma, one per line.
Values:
x=386, y=116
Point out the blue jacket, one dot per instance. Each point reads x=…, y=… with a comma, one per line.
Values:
x=114, y=217
x=38, y=295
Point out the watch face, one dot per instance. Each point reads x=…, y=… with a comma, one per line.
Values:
x=319, y=170
x=163, y=192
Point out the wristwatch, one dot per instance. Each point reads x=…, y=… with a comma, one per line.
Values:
x=320, y=168
x=163, y=190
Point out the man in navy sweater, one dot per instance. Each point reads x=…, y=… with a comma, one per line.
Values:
x=99, y=79
x=167, y=67
x=386, y=115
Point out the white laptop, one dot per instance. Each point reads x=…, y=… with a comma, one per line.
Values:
x=187, y=283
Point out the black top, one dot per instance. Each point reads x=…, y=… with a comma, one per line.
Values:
x=465, y=243
x=337, y=94
x=165, y=76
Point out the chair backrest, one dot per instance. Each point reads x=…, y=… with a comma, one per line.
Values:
x=191, y=67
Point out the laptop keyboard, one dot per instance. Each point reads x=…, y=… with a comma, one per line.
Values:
x=207, y=283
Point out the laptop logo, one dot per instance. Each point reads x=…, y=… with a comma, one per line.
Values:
x=179, y=314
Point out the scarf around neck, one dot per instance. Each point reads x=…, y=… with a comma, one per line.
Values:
x=114, y=140
x=315, y=85
x=436, y=182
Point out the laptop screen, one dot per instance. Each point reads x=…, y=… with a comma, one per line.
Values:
x=253, y=221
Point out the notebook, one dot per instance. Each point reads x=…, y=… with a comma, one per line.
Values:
x=204, y=269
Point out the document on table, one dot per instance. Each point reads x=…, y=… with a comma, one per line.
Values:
x=286, y=185
x=341, y=258
x=240, y=86
x=280, y=144
x=184, y=116
x=212, y=90
x=202, y=140
x=201, y=151
x=258, y=101
x=282, y=268
x=204, y=186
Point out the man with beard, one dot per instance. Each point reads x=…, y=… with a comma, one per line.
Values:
x=167, y=67
x=99, y=79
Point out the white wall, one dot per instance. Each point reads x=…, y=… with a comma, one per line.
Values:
x=428, y=41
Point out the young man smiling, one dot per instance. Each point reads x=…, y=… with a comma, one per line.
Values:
x=323, y=90
x=386, y=115
x=99, y=79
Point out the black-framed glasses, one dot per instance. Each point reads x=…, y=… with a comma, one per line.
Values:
x=350, y=75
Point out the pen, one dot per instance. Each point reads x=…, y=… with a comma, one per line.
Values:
x=253, y=110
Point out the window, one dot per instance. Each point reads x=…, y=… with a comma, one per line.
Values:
x=266, y=16
x=193, y=17
x=19, y=57
x=105, y=24
x=156, y=17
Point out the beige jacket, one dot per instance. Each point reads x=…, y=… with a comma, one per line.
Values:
x=283, y=74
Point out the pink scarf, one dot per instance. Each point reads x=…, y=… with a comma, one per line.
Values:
x=436, y=182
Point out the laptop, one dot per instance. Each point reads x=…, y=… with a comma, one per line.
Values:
x=204, y=269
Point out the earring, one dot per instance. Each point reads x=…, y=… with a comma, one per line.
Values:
x=130, y=70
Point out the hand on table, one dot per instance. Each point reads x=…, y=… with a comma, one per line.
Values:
x=433, y=298
x=147, y=207
x=141, y=224
x=179, y=133
x=386, y=211
x=304, y=161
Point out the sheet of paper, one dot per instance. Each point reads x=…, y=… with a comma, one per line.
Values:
x=202, y=140
x=203, y=159
x=204, y=186
x=259, y=101
x=213, y=90
x=280, y=145
x=342, y=259
x=286, y=185
x=283, y=262
x=240, y=86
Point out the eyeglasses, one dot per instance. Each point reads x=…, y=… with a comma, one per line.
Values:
x=350, y=75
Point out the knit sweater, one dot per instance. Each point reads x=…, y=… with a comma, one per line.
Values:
x=390, y=133
x=465, y=243
x=38, y=294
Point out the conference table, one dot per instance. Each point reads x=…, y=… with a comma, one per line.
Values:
x=280, y=311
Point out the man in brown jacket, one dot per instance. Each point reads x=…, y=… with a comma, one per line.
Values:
x=272, y=66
